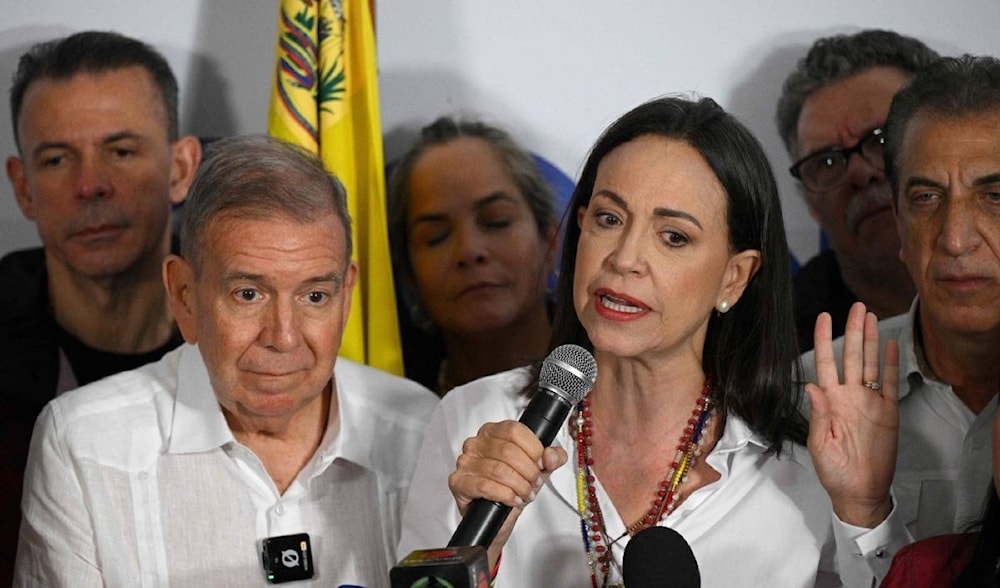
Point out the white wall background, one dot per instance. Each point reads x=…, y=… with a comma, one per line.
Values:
x=554, y=72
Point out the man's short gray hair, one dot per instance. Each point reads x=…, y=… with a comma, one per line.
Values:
x=259, y=177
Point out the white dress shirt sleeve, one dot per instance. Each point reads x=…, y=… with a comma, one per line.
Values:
x=864, y=555
x=430, y=514
x=55, y=545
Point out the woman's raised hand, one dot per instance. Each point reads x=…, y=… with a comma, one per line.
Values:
x=854, y=423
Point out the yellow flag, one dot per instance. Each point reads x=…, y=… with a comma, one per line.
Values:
x=325, y=98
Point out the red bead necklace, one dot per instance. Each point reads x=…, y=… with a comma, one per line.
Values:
x=596, y=542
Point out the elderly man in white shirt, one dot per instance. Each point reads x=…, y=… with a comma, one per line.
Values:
x=253, y=436
x=943, y=163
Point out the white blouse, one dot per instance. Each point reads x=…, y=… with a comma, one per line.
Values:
x=765, y=522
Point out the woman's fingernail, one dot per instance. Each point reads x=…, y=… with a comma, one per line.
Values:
x=531, y=497
x=518, y=501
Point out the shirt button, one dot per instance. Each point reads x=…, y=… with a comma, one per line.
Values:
x=280, y=509
x=880, y=552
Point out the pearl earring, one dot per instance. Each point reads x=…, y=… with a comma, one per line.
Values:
x=724, y=307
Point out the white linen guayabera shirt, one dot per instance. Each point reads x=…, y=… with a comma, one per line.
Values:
x=765, y=522
x=136, y=480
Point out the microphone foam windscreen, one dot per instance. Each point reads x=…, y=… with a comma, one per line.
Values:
x=571, y=369
x=660, y=557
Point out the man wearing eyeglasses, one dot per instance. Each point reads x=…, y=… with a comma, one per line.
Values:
x=920, y=464
x=830, y=116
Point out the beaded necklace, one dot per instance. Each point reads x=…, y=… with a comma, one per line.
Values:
x=596, y=542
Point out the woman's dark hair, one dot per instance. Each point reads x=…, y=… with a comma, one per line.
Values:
x=749, y=351
x=982, y=570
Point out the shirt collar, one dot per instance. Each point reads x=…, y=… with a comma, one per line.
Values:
x=736, y=435
x=348, y=433
x=911, y=352
x=198, y=423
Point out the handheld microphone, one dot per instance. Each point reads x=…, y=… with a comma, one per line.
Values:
x=659, y=557
x=567, y=375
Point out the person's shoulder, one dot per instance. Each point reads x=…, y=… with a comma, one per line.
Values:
x=794, y=457
x=24, y=261
x=808, y=361
x=792, y=471
x=739, y=437
x=821, y=271
x=29, y=352
x=937, y=547
x=499, y=388
x=787, y=475
x=22, y=276
x=383, y=419
x=894, y=325
x=119, y=422
x=491, y=398
x=889, y=328
x=127, y=400
x=380, y=387
x=933, y=561
x=819, y=287
x=378, y=379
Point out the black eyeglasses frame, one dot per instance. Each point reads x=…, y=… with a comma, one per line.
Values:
x=841, y=152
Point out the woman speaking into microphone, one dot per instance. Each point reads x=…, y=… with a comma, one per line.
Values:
x=675, y=275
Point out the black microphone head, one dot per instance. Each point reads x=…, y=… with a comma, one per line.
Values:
x=570, y=371
x=660, y=557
